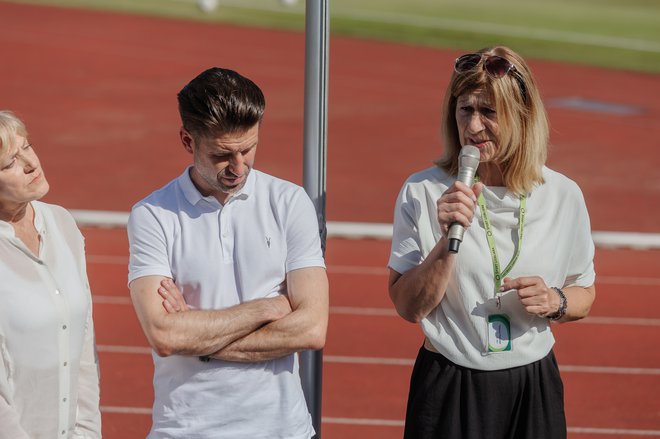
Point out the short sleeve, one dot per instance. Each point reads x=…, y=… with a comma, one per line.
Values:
x=406, y=250
x=147, y=243
x=581, y=261
x=302, y=234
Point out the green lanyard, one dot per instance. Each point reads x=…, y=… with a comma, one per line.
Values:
x=491, y=241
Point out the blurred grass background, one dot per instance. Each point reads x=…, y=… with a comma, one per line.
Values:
x=619, y=34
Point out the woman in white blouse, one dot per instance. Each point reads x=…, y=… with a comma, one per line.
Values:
x=49, y=377
x=487, y=368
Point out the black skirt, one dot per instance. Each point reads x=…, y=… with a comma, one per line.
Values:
x=450, y=401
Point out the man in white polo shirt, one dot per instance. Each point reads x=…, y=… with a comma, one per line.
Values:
x=227, y=277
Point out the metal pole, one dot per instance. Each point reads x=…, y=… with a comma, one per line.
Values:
x=314, y=168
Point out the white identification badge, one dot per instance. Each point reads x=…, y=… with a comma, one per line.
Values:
x=499, y=333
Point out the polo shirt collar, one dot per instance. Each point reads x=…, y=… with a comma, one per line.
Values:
x=193, y=195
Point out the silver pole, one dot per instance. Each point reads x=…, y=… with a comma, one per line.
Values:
x=314, y=168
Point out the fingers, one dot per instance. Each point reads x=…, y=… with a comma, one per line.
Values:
x=457, y=205
x=477, y=188
x=533, y=294
x=173, y=300
x=169, y=308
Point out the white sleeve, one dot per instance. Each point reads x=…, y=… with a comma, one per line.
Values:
x=581, y=260
x=88, y=417
x=303, y=239
x=147, y=244
x=9, y=418
x=406, y=250
x=11, y=429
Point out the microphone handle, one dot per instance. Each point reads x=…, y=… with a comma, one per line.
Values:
x=454, y=243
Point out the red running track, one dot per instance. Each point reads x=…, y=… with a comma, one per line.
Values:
x=609, y=361
x=97, y=91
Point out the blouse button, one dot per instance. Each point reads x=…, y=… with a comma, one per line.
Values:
x=63, y=326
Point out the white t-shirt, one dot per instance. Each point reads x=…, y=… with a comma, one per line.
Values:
x=557, y=246
x=49, y=379
x=220, y=256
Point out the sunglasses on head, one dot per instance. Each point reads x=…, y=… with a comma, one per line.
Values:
x=494, y=65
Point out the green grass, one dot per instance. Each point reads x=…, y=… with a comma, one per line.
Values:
x=623, y=34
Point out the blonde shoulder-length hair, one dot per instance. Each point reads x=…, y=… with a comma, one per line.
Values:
x=521, y=116
x=10, y=126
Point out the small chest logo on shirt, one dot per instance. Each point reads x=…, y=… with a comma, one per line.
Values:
x=268, y=241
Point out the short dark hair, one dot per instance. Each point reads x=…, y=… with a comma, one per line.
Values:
x=220, y=101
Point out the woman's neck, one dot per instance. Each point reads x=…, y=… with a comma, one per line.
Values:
x=490, y=174
x=16, y=214
x=22, y=220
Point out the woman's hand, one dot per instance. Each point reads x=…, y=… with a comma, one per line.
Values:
x=534, y=294
x=173, y=300
x=457, y=204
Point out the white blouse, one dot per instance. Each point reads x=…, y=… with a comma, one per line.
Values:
x=49, y=377
x=557, y=246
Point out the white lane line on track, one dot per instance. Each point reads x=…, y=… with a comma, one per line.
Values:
x=622, y=280
x=363, y=311
x=126, y=410
x=390, y=312
x=106, y=259
x=363, y=421
x=368, y=360
x=634, y=321
x=610, y=370
x=381, y=231
x=111, y=300
x=384, y=361
x=383, y=271
x=613, y=431
x=398, y=422
x=141, y=350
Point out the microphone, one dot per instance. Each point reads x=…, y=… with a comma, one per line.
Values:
x=468, y=162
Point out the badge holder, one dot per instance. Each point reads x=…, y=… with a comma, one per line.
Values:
x=499, y=333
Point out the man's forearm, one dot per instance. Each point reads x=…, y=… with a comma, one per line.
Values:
x=205, y=332
x=293, y=333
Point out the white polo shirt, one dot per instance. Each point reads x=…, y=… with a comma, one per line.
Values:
x=557, y=246
x=222, y=256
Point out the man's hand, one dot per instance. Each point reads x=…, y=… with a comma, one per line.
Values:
x=173, y=300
